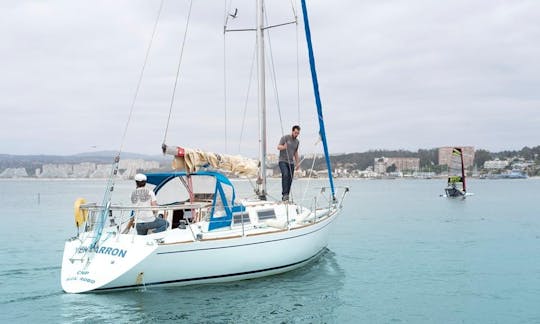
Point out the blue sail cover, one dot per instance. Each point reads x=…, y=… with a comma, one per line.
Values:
x=322, y=133
x=220, y=197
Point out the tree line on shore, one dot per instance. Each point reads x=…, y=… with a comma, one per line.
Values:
x=429, y=158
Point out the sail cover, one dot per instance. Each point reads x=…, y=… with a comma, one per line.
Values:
x=315, y=82
x=192, y=160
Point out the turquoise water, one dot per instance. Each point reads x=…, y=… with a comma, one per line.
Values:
x=398, y=254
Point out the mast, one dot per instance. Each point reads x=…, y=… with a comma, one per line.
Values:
x=462, y=170
x=261, y=190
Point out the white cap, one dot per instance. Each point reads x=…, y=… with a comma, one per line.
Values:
x=140, y=177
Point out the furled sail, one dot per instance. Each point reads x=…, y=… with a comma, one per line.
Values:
x=192, y=160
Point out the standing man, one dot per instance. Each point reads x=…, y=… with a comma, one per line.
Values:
x=144, y=197
x=288, y=160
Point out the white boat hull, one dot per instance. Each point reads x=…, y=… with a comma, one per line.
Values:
x=468, y=194
x=126, y=261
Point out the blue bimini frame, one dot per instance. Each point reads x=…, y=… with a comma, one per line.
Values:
x=160, y=179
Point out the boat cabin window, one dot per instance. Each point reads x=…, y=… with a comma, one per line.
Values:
x=266, y=214
x=239, y=218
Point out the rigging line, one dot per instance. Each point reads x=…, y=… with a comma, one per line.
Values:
x=141, y=76
x=225, y=87
x=226, y=20
x=253, y=185
x=247, y=97
x=178, y=71
x=274, y=79
x=309, y=175
x=114, y=169
x=293, y=8
x=297, y=64
x=226, y=16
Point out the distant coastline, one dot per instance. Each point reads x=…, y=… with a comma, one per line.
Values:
x=424, y=163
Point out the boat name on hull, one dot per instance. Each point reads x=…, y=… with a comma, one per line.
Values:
x=105, y=250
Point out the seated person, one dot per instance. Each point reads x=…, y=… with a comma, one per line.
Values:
x=146, y=219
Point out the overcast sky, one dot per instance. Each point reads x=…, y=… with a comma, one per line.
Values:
x=393, y=75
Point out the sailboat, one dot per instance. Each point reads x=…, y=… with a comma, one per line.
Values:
x=456, y=184
x=213, y=235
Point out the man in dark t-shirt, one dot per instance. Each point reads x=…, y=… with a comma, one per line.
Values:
x=288, y=159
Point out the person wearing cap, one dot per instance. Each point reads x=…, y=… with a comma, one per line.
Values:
x=144, y=197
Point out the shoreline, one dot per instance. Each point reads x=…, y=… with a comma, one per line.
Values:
x=272, y=178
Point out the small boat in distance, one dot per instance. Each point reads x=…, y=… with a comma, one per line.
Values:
x=513, y=174
x=456, y=185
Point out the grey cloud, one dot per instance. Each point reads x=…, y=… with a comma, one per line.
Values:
x=393, y=74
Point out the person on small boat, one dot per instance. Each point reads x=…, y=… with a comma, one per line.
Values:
x=146, y=219
x=288, y=160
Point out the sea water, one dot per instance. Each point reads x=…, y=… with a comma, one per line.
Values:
x=398, y=253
